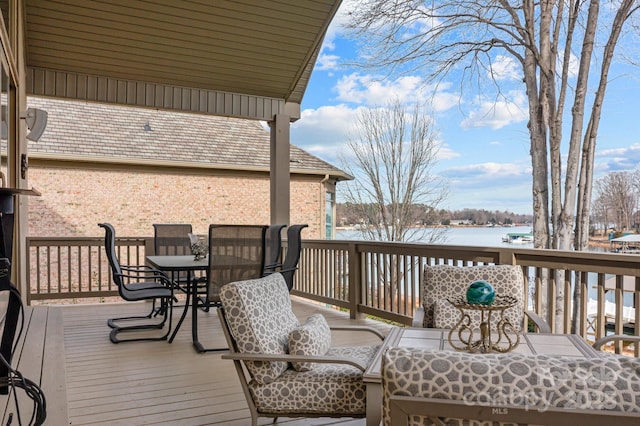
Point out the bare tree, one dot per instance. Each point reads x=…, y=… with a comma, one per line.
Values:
x=547, y=39
x=600, y=213
x=393, y=154
x=554, y=43
x=635, y=180
x=617, y=193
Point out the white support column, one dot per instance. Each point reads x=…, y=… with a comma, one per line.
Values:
x=279, y=174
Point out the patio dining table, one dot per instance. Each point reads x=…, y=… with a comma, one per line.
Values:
x=188, y=264
x=530, y=343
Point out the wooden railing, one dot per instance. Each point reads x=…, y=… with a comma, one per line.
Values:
x=76, y=269
x=383, y=280
x=379, y=279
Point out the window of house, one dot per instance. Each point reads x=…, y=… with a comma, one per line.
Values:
x=330, y=206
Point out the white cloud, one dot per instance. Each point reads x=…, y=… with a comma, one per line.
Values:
x=618, y=159
x=337, y=25
x=488, y=170
x=574, y=65
x=445, y=152
x=369, y=90
x=511, y=196
x=324, y=131
x=497, y=114
x=327, y=62
x=506, y=68
x=443, y=101
x=490, y=185
x=365, y=89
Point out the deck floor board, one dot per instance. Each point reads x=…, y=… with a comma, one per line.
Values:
x=156, y=383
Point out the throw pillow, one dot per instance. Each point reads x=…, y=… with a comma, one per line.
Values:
x=311, y=338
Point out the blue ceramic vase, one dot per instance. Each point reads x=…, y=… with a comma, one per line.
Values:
x=480, y=293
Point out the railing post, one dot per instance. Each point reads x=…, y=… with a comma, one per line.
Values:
x=355, y=285
x=28, y=260
x=506, y=257
x=149, y=246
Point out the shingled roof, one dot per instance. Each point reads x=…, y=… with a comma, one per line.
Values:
x=86, y=131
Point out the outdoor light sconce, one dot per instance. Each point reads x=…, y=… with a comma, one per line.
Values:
x=36, y=121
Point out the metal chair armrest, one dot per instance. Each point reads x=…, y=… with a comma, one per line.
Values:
x=322, y=359
x=614, y=338
x=144, y=270
x=272, y=267
x=539, y=322
x=358, y=328
x=138, y=268
x=162, y=279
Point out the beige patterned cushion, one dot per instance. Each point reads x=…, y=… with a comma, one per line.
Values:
x=445, y=315
x=260, y=318
x=441, y=282
x=536, y=381
x=311, y=338
x=327, y=388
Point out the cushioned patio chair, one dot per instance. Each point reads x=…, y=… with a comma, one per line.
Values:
x=427, y=386
x=442, y=282
x=138, y=283
x=288, y=368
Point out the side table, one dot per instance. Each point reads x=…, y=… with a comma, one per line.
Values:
x=496, y=333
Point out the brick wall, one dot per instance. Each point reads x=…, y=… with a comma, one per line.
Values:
x=75, y=200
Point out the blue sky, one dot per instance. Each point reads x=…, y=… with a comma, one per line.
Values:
x=484, y=146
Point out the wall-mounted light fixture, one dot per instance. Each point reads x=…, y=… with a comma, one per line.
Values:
x=36, y=121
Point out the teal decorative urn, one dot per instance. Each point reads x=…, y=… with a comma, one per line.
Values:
x=480, y=293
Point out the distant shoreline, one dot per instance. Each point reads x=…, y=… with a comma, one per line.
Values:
x=600, y=243
x=594, y=242
x=355, y=228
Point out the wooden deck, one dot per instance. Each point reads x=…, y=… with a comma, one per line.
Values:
x=159, y=383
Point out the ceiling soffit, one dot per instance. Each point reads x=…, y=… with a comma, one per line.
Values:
x=229, y=57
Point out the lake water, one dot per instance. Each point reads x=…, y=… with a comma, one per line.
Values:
x=487, y=236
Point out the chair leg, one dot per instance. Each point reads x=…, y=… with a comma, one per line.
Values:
x=167, y=315
x=194, y=327
x=154, y=312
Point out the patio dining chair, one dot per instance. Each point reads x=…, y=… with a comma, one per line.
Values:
x=236, y=252
x=292, y=256
x=172, y=239
x=273, y=247
x=138, y=283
